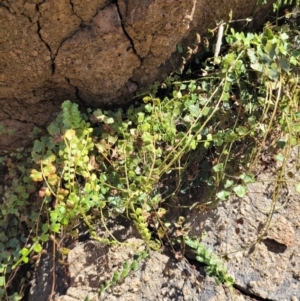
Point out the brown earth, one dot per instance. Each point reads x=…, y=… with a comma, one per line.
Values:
x=93, y=52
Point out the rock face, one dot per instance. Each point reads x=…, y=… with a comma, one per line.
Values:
x=268, y=268
x=264, y=254
x=159, y=277
x=94, y=52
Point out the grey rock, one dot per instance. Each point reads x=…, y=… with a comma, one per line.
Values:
x=264, y=257
x=159, y=277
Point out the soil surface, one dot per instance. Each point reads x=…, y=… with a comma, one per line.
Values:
x=94, y=52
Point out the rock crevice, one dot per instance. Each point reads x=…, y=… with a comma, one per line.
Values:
x=125, y=31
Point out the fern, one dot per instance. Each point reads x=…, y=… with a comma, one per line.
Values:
x=71, y=115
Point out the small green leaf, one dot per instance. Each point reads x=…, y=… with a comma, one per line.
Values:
x=108, y=120
x=284, y=36
x=138, y=211
x=125, y=265
x=209, y=137
x=206, y=144
x=257, y=67
x=200, y=258
x=116, y=277
x=177, y=94
x=240, y=190
x=219, y=167
x=134, y=266
x=188, y=118
x=228, y=183
x=38, y=248
x=24, y=251
x=194, y=110
x=124, y=273
x=55, y=228
x=193, y=144
x=247, y=178
x=279, y=157
x=144, y=254
x=206, y=111
x=104, y=287
x=49, y=169
x=225, y=96
x=223, y=195
x=284, y=65
x=296, y=128
x=191, y=243
x=146, y=99
x=36, y=176
x=70, y=134
x=25, y=259
x=242, y=130
x=39, y=146
x=44, y=237
x=273, y=74
x=229, y=281
x=15, y=297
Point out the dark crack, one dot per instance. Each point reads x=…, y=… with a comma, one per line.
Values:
x=14, y=13
x=102, y=8
x=11, y=116
x=86, y=23
x=42, y=39
x=52, y=54
x=20, y=120
x=29, y=19
x=125, y=31
x=72, y=5
x=6, y=7
x=79, y=99
x=81, y=26
x=246, y=292
x=39, y=28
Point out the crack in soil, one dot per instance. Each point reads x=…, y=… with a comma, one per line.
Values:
x=53, y=55
x=81, y=25
x=72, y=5
x=79, y=99
x=13, y=13
x=38, y=32
x=102, y=8
x=22, y=121
x=4, y=6
x=41, y=38
x=125, y=31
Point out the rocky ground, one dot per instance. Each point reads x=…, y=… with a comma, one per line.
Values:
x=263, y=258
x=265, y=264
